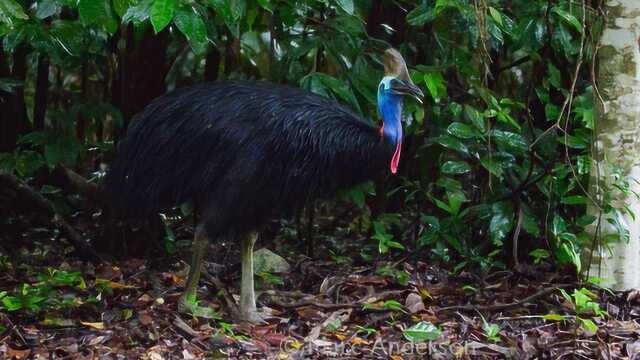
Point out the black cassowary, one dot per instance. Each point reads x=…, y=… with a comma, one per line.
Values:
x=245, y=152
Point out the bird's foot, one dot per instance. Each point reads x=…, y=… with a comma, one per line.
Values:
x=252, y=316
x=188, y=305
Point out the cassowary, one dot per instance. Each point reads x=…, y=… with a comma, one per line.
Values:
x=244, y=152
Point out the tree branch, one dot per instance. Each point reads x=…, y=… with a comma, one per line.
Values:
x=26, y=192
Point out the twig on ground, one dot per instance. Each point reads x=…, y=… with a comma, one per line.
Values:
x=496, y=307
x=516, y=234
x=230, y=303
x=184, y=327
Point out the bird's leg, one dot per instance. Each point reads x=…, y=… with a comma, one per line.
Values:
x=248, y=310
x=188, y=303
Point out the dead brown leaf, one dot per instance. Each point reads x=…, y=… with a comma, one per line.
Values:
x=94, y=325
x=18, y=354
x=414, y=303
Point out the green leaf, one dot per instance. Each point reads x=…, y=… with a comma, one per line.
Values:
x=503, y=116
x=12, y=303
x=138, y=13
x=449, y=184
x=266, y=4
x=585, y=220
x=451, y=143
x=461, y=130
x=444, y=206
x=162, y=13
x=530, y=225
x=10, y=85
x=559, y=226
x=47, y=8
x=583, y=164
x=475, y=117
x=510, y=140
x=392, y=305
x=436, y=85
x=91, y=11
x=456, y=198
x=495, y=15
x=121, y=6
x=11, y=9
x=575, y=200
x=422, y=331
x=347, y=6
x=193, y=27
x=555, y=77
x=501, y=222
x=232, y=12
x=493, y=165
x=569, y=250
x=97, y=12
x=62, y=150
x=554, y=317
x=421, y=15
x=539, y=254
x=442, y=5
x=455, y=167
x=569, y=18
x=589, y=325
x=319, y=83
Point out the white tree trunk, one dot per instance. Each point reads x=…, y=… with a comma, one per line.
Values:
x=618, y=137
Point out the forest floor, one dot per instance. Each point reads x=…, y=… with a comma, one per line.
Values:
x=318, y=309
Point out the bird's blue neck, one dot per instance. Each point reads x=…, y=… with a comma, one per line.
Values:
x=390, y=108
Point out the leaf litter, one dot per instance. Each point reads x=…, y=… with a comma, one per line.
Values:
x=128, y=309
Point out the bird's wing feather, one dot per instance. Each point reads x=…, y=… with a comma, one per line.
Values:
x=242, y=144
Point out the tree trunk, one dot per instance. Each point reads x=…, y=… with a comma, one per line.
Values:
x=618, y=141
x=141, y=73
x=13, y=112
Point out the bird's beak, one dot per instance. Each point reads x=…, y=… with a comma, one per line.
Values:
x=407, y=88
x=415, y=92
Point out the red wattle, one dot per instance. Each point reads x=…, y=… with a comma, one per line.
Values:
x=396, y=158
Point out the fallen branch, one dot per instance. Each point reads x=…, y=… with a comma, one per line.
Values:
x=26, y=192
x=74, y=182
x=325, y=306
x=496, y=307
x=282, y=293
x=329, y=306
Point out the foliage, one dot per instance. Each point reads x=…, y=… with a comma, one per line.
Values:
x=491, y=330
x=45, y=294
x=583, y=301
x=422, y=331
x=503, y=140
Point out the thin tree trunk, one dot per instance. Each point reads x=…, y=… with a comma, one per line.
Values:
x=212, y=65
x=42, y=91
x=618, y=141
x=8, y=134
x=81, y=123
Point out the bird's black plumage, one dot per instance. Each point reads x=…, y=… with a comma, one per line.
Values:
x=243, y=152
